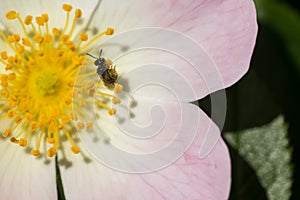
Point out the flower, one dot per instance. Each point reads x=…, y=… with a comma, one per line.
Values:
x=45, y=73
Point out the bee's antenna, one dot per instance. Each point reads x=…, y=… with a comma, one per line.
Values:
x=100, y=53
x=91, y=56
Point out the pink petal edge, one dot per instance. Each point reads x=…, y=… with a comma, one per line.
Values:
x=226, y=29
x=188, y=178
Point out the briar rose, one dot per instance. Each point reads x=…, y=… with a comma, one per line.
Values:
x=128, y=132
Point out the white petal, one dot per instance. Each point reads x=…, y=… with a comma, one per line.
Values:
x=24, y=176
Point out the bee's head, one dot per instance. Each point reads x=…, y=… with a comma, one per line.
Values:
x=100, y=62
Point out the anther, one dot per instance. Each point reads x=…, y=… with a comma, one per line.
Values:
x=118, y=88
x=47, y=38
x=68, y=101
x=26, y=42
x=11, y=39
x=109, y=31
x=14, y=140
x=40, y=21
x=38, y=39
x=17, y=37
x=67, y=7
x=7, y=133
x=75, y=149
x=11, y=15
x=4, y=55
x=28, y=20
x=78, y=13
x=73, y=116
x=35, y=152
x=84, y=37
x=29, y=116
x=64, y=38
x=50, y=140
x=23, y=142
x=55, y=31
x=18, y=120
x=11, y=113
x=34, y=126
x=89, y=126
x=116, y=100
x=45, y=17
x=51, y=152
x=112, y=111
x=65, y=119
x=80, y=125
x=12, y=76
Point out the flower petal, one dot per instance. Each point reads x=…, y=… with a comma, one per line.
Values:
x=188, y=178
x=24, y=176
x=226, y=29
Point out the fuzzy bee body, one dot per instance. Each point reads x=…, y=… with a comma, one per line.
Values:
x=106, y=71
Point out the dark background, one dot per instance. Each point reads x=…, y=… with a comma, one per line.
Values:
x=270, y=88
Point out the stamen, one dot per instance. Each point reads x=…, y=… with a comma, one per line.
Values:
x=78, y=14
x=109, y=31
x=46, y=19
x=67, y=8
x=74, y=148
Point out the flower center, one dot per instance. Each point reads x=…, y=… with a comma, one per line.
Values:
x=42, y=80
x=46, y=82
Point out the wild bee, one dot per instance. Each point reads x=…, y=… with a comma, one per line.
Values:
x=106, y=71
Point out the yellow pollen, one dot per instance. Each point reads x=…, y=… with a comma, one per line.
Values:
x=46, y=69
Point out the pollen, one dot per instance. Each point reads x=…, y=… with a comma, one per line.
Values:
x=42, y=80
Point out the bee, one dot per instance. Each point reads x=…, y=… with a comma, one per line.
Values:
x=106, y=71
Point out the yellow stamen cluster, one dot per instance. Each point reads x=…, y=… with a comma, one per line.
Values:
x=38, y=89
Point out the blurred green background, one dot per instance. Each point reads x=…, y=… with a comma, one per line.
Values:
x=268, y=90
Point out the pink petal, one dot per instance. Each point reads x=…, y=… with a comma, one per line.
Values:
x=188, y=178
x=24, y=176
x=225, y=28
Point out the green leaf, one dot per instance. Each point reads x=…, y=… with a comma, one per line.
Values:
x=283, y=20
x=266, y=150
